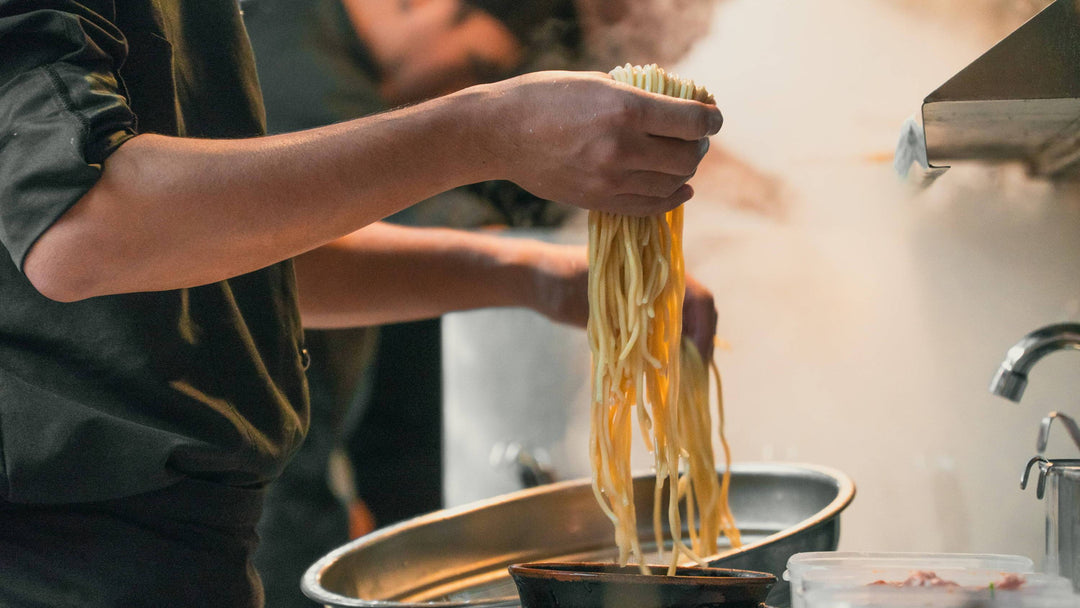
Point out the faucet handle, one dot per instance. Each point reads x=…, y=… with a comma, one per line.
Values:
x=1044, y=430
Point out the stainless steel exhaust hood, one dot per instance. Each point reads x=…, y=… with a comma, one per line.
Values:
x=1019, y=101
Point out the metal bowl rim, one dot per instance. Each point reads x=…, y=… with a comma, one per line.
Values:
x=311, y=586
x=581, y=570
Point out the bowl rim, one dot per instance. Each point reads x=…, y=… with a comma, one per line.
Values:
x=311, y=582
x=580, y=571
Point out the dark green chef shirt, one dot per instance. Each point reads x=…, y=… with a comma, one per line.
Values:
x=120, y=395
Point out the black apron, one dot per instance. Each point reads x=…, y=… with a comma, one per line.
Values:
x=187, y=545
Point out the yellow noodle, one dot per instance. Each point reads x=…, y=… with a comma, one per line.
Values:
x=636, y=287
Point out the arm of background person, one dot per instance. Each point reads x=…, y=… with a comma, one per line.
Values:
x=386, y=273
x=171, y=212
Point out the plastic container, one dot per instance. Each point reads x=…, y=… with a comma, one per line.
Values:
x=958, y=579
x=847, y=570
x=924, y=597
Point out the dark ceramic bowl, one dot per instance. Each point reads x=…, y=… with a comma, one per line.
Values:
x=591, y=585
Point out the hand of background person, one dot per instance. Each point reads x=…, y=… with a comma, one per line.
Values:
x=562, y=290
x=582, y=138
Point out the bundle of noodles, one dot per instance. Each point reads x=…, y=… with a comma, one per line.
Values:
x=636, y=287
x=699, y=486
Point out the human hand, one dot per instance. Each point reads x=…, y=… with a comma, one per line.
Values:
x=699, y=318
x=562, y=295
x=586, y=140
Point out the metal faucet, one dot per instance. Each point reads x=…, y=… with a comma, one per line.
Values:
x=1011, y=377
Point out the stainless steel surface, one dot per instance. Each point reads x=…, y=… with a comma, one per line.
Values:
x=1046, y=468
x=1059, y=482
x=1019, y=101
x=1025, y=477
x=458, y=557
x=1011, y=377
x=1044, y=430
x=1063, y=522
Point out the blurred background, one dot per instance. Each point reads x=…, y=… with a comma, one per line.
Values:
x=865, y=315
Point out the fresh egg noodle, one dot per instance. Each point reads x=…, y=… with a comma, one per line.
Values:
x=636, y=288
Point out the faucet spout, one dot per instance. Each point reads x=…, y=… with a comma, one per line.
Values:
x=1011, y=377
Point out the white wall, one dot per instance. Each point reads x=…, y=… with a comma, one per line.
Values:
x=865, y=317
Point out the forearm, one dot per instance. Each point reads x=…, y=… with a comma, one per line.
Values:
x=386, y=273
x=171, y=212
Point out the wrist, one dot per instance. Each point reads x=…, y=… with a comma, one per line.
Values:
x=550, y=279
x=482, y=114
x=520, y=279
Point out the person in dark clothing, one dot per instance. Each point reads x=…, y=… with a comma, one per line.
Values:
x=162, y=258
x=376, y=393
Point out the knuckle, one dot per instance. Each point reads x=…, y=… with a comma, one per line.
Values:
x=608, y=154
x=601, y=184
x=689, y=158
x=672, y=186
x=609, y=182
x=628, y=110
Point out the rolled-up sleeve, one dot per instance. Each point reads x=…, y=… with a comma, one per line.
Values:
x=62, y=111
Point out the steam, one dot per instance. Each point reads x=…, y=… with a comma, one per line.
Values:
x=995, y=18
x=642, y=31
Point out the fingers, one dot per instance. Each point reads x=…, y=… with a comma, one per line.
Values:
x=653, y=184
x=640, y=205
x=678, y=118
x=699, y=318
x=666, y=154
x=562, y=279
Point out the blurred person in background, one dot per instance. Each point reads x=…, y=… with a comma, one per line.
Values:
x=373, y=455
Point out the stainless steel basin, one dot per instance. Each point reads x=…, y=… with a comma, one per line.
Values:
x=458, y=557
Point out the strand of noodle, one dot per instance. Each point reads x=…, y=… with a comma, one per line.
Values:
x=633, y=286
x=598, y=331
x=658, y=498
x=686, y=496
x=600, y=465
x=653, y=250
x=644, y=421
x=621, y=315
x=695, y=427
x=730, y=529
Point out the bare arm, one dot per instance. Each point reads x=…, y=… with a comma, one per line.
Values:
x=386, y=274
x=172, y=212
